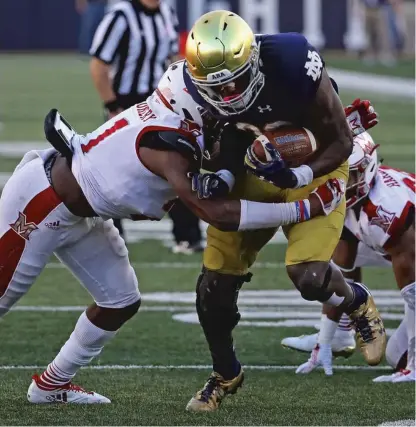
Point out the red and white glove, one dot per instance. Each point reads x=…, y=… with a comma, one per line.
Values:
x=321, y=356
x=330, y=194
x=361, y=116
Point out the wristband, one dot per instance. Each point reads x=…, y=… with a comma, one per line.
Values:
x=112, y=106
x=227, y=177
x=255, y=215
x=304, y=175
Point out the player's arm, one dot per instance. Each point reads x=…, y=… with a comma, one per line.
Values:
x=326, y=120
x=233, y=215
x=402, y=252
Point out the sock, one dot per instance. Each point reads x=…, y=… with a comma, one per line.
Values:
x=327, y=331
x=228, y=370
x=359, y=297
x=344, y=324
x=408, y=293
x=85, y=343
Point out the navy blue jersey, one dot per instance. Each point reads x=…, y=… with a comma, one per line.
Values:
x=293, y=72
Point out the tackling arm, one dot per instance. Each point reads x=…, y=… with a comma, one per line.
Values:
x=233, y=215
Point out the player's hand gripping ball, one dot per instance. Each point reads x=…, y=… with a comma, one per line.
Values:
x=273, y=153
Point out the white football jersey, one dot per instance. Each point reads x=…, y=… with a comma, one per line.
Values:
x=383, y=215
x=108, y=168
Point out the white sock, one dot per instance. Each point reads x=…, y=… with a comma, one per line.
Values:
x=408, y=293
x=344, y=324
x=85, y=343
x=327, y=331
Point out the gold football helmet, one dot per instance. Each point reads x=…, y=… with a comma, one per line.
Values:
x=222, y=60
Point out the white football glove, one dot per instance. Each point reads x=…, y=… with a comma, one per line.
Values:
x=330, y=194
x=321, y=356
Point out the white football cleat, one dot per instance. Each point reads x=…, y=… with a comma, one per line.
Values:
x=69, y=393
x=402, y=376
x=321, y=356
x=343, y=343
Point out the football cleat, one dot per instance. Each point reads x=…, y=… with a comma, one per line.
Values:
x=343, y=343
x=370, y=332
x=215, y=389
x=68, y=393
x=404, y=375
x=321, y=356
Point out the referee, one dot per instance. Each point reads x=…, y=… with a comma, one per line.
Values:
x=132, y=46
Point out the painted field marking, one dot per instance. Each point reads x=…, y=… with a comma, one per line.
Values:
x=194, y=367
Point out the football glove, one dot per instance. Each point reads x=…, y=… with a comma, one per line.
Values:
x=210, y=185
x=330, y=194
x=273, y=171
x=361, y=116
x=321, y=356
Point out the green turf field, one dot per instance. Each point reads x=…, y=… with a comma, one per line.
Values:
x=164, y=334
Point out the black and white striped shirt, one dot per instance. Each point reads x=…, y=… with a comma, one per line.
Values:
x=137, y=42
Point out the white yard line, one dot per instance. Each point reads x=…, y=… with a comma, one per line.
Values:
x=194, y=367
x=177, y=265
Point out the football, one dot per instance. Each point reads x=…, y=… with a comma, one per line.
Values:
x=294, y=144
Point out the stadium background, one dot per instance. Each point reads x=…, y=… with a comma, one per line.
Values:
x=40, y=69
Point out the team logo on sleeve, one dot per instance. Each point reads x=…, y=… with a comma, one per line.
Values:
x=314, y=65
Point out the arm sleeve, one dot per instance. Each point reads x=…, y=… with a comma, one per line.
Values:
x=170, y=141
x=108, y=36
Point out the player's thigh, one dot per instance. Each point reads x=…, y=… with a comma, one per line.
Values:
x=235, y=252
x=100, y=261
x=28, y=205
x=316, y=239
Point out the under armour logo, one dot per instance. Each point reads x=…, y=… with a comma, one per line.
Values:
x=23, y=228
x=263, y=109
x=314, y=65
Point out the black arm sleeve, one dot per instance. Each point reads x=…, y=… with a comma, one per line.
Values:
x=169, y=140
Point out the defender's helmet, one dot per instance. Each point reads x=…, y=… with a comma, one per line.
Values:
x=222, y=60
x=363, y=166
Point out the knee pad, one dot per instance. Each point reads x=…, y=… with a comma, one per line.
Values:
x=313, y=288
x=216, y=299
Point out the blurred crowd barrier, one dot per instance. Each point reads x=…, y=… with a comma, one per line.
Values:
x=333, y=24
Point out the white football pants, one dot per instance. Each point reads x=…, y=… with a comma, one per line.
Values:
x=34, y=224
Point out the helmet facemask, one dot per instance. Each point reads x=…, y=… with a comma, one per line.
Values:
x=361, y=177
x=232, y=93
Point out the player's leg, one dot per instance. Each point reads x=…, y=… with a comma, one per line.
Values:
x=310, y=248
x=397, y=345
x=227, y=258
x=28, y=206
x=99, y=259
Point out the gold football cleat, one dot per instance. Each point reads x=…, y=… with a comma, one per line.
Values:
x=215, y=389
x=371, y=335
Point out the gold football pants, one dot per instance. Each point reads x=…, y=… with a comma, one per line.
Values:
x=313, y=240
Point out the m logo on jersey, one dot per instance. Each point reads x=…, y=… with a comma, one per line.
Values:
x=314, y=65
x=23, y=228
x=384, y=219
x=264, y=109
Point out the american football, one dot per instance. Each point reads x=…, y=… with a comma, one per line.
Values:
x=294, y=144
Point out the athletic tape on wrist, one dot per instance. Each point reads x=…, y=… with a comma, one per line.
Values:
x=304, y=175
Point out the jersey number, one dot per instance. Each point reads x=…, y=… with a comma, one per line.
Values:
x=119, y=124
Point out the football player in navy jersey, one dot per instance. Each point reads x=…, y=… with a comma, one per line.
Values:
x=265, y=80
